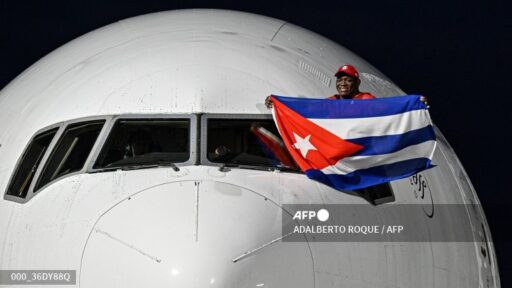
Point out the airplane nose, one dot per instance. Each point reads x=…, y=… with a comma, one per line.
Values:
x=194, y=234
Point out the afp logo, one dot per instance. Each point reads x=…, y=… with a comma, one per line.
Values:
x=321, y=215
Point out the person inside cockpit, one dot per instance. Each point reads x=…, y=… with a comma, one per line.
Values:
x=139, y=143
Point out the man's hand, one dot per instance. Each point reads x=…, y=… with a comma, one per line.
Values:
x=268, y=102
x=424, y=100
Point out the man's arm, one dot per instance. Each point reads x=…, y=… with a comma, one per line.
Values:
x=268, y=102
x=424, y=100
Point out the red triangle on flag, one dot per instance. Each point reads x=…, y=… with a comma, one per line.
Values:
x=311, y=146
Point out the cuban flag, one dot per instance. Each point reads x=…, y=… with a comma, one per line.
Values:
x=353, y=144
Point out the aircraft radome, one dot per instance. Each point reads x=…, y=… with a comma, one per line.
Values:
x=127, y=156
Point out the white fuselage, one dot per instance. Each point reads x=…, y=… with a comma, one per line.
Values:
x=159, y=227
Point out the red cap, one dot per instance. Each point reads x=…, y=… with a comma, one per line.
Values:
x=347, y=70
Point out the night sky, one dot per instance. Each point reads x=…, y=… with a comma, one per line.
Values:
x=454, y=52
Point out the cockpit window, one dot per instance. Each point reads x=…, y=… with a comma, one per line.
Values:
x=30, y=161
x=246, y=142
x=142, y=142
x=71, y=152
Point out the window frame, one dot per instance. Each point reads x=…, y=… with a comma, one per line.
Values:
x=204, y=131
x=102, y=138
x=63, y=126
x=30, y=193
x=197, y=140
x=110, y=121
x=63, y=129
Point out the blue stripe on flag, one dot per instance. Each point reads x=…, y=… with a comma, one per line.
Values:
x=343, y=109
x=391, y=143
x=371, y=176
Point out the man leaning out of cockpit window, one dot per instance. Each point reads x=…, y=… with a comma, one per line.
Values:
x=347, y=85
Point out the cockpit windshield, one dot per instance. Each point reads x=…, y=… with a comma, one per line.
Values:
x=131, y=142
x=246, y=142
x=143, y=142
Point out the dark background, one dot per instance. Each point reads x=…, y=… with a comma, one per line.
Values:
x=455, y=52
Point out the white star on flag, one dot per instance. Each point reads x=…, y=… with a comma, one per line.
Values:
x=303, y=144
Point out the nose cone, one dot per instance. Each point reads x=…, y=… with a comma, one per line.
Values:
x=187, y=234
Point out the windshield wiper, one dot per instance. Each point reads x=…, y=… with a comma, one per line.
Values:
x=107, y=169
x=124, y=168
x=256, y=167
x=168, y=164
x=225, y=165
x=145, y=166
x=242, y=166
x=287, y=169
x=139, y=166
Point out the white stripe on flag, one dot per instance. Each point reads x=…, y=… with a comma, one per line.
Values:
x=375, y=126
x=351, y=164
